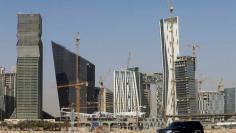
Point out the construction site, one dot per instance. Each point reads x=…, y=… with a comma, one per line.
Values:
x=137, y=102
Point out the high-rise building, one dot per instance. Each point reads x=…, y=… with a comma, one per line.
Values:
x=29, y=67
x=7, y=94
x=185, y=85
x=152, y=85
x=169, y=31
x=211, y=102
x=65, y=70
x=128, y=92
x=2, y=93
x=2, y=70
x=230, y=100
x=105, y=103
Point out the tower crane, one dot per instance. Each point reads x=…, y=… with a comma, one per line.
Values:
x=200, y=82
x=170, y=6
x=77, y=84
x=128, y=61
x=220, y=85
x=101, y=95
x=101, y=91
x=194, y=47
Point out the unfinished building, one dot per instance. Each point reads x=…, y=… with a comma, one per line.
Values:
x=185, y=85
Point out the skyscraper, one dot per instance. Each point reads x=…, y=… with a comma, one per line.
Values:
x=169, y=31
x=152, y=84
x=7, y=94
x=185, y=85
x=230, y=100
x=65, y=68
x=105, y=103
x=29, y=67
x=128, y=92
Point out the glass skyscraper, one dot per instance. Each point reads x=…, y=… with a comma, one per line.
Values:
x=65, y=70
x=29, y=67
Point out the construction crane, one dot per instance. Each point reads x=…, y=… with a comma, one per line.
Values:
x=128, y=60
x=200, y=82
x=72, y=85
x=77, y=87
x=194, y=47
x=220, y=85
x=101, y=95
x=101, y=91
x=77, y=43
x=78, y=83
x=170, y=6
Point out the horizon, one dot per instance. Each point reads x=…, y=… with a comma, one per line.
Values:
x=109, y=30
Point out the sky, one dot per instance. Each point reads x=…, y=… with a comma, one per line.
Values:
x=110, y=29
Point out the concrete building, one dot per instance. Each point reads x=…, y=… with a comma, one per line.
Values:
x=2, y=93
x=230, y=100
x=128, y=94
x=152, y=85
x=169, y=31
x=29, y=76
x=2, y=70
x=105, y=104
x=185, y=69
x=211, y=102
x=65, y=70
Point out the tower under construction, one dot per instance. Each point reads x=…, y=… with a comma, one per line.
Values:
x=169, y=31
x=186, y=92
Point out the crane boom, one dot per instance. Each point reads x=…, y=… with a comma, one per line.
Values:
x=72, y=85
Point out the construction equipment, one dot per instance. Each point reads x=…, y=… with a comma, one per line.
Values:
x=72, y=85
x=128, y=61
x=220, y=85
x=101, y=91
x=170, y=6
x=77, y=87
x=200, y=82
x=78, y=83
x=77, y=43
x=194, y=47
x=101, y=96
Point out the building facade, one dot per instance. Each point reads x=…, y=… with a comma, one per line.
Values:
x=2, y=93
x=105, y=103
x=65, y=70
x=211, y=102
x=230, y=100
x=152, y=84
x=29, y=76
x=185, y=69
x=169, y=31
x=128, y=94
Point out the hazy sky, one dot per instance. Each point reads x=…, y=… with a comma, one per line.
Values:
x=109, y=29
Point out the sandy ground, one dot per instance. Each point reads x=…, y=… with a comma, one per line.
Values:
x=121, y=131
